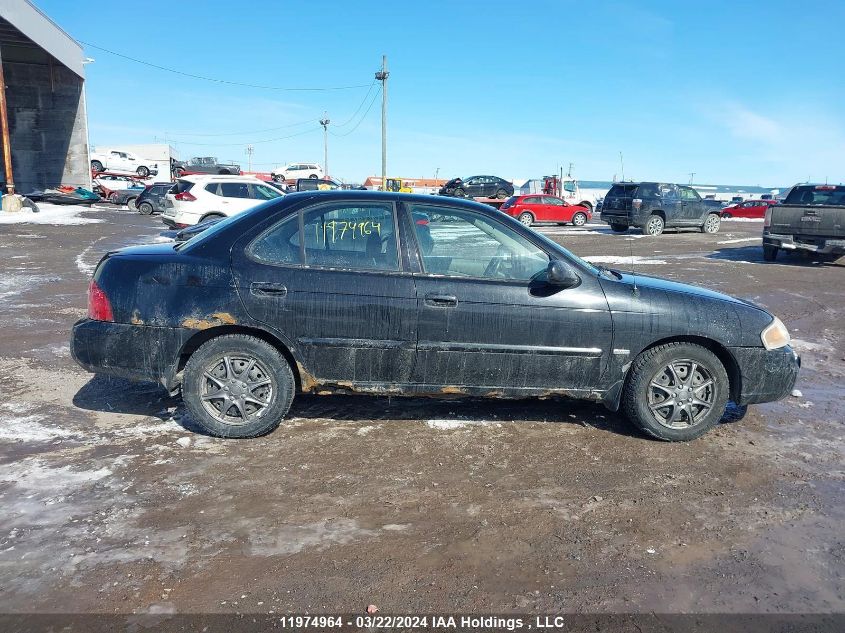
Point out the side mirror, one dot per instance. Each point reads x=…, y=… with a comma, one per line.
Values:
x=559, y=273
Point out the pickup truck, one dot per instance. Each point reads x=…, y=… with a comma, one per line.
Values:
x=811, y=219
x=205, y=165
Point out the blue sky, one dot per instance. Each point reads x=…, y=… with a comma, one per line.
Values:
x=739, y=93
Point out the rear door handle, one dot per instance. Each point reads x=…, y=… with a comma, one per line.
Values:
x=441, y=301
x=268, y=289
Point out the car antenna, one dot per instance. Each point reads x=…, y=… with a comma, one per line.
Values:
x=633, y=271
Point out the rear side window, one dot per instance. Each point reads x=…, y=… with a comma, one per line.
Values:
x=264, y=192
x=832, y=195
x=279, y=245
x=357, y=237
x=622, y=191
x=509, y=202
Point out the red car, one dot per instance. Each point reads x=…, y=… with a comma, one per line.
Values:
x=749, y=209
x=543, y=208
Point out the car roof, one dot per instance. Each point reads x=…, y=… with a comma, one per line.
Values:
x=216, y=177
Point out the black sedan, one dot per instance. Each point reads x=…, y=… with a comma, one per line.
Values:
x=384, y=293
x=478, y=187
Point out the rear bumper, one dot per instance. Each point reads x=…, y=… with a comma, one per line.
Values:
x=765, y=375
x=821, y=245
x=136, y=352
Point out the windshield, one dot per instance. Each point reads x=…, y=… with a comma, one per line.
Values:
x=827, y=195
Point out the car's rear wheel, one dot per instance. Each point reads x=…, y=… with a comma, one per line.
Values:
x=711, y=224
x=676, y=392
x=212, y=216
x=579, y=219
x=619, y=228
x=145, y=208
x=313, y=176
x=460, y=193
x=501, y=194
x=654, y=226
x=278, y=178
x=96, y=166
x=142, y=171
x=526, y=218
x=130, y=202
x=237, y=386
x=113, y=198
x=727, y=216
x=770, y=253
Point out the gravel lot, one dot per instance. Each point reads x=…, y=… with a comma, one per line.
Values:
x=111, y=503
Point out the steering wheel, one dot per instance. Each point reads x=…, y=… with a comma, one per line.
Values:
x=496, y=266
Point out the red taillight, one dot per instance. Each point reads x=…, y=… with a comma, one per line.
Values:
x=185, y=196
x=767, y=217
x=99, y=307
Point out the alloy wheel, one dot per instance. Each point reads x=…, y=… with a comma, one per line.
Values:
x=236, y=389
x=681, y=394
x=654, y=226
x=579, y=219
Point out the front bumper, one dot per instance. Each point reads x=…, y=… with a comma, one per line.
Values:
x=821, y=245
x=136, y=352
x=765, y=375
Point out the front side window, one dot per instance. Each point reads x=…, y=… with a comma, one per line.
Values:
x=557, y=202
x=358, y=236
x=689, y=194
x=462, y=243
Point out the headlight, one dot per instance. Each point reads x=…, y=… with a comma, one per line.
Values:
x=775, y=335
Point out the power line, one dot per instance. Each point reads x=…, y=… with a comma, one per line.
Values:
x=217, y=80
x=361, y=105
x=267, y=140
x=269, y=129
x=364, y=116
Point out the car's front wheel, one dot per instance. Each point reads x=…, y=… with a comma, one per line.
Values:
x=501, y=194
x=237, y=385
x=526, y=218
x=143, y=172
x=579, y=219
x=459, y=193
x=145, y=208
x=676, y=392
x=96, y=166
x=313, y=176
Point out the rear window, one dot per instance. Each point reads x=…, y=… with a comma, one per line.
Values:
x=182, y=186
x=622, y=191
x=509, y=202
x=833, y=195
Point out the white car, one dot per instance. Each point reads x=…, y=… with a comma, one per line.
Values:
x=293, y=171
x=122, y=162
x=195, y=199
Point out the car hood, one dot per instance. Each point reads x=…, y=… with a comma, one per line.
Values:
x=658, y=283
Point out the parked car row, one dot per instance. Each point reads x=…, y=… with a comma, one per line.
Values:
x=478, y=187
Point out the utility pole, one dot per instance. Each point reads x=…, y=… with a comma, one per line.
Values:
x=249, y=150
x=436, y=172
x=382, y=77
x=622, y=163
x=569, y=173
x=691, y=176
x=325, y=123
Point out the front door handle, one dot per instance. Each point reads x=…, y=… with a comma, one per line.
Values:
x=268, y=289
x=441, y=301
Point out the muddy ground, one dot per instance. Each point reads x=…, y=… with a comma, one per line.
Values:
x=110, y=501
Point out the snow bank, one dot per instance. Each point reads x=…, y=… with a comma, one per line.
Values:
x=625, y=260
x=49, y=214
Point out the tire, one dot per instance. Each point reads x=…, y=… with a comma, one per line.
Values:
x=586, y=204
x=313, y=176
x=246, y=367
x=131, y=203
x=145, y=208
x=501, y=194
x=224, y=172
x=212, y=216
x=278, y=178
x=619, y=228
x=654, y=226
x=770, y=253
x=579, y=219
x=96, y=166
x=143, y=172
x=526, y=218
x=711, y=224
x=460, y=193
x=651, y=382
x=726, y=216
x=113, y=197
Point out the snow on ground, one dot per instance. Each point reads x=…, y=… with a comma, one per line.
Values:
x=742, y=239
x=48, y=214
x=624, y=260
x=448, y=425
x=742, y=219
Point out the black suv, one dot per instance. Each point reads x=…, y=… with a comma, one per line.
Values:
x=152, y=198
x=654, y=206
x=478, y=187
